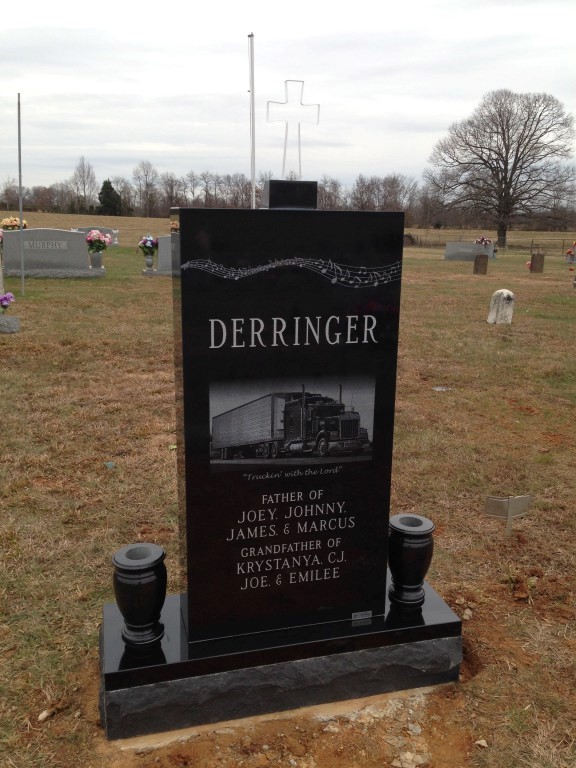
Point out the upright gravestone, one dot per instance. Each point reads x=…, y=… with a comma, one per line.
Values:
x=48, y=253
x=501, y=307
x=114, y=233
x=164, y=255
x=286, y=339
x=459, y=251
x=286, y=332
x=480, y=264
x=537, y=262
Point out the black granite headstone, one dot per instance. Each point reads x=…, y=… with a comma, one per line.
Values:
x=289, y=328
x=284, y=193
x=286, y=332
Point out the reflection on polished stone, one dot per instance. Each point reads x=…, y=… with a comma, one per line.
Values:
x=178, y=684
x=134, y=657
x=398, y=618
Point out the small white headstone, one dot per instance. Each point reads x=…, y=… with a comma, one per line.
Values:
x=501, y=307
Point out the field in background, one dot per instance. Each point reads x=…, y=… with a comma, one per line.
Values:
x=87, y=465
x=133, y=228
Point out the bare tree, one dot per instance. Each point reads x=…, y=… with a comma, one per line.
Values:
x=44, y=198
x=236, y=190
x=363, y=194
x=146, y=182
x=9, y=193
x=172, y=190
x=62, y=196
x=83, y=182
x=397, y=192
x=507, y=159
x=184, y=187
x=127, y=194
x=212, y=183
x=193, y=184
x=330, y=194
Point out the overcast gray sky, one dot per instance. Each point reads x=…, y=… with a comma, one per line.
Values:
x=120, y=83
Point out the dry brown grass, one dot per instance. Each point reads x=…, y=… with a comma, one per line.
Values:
x=551, y=243
x=132, y=228
x=87, y=465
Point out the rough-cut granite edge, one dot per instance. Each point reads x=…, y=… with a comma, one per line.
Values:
x=278, y=687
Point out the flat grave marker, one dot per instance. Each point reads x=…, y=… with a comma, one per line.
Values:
x=507, y=508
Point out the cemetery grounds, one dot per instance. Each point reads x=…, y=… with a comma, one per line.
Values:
x=88, y=465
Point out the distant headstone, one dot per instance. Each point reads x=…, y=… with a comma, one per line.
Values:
x=480, y=264
x=105, y=230
x=48, y=253
x=537, y=263
x=164, y=255
x=501, y=307
x=457, y=251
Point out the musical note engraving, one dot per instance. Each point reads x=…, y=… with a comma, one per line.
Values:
x=344, y=275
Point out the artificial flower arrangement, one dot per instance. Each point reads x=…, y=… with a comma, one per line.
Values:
x=483, y=240
x=12, y=222
x=148, y=245
x=5, y=300
x=98, y=241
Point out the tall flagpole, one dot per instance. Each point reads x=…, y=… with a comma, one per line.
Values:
x=252, y=120
x=20, y=200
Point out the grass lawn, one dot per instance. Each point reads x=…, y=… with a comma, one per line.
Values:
x=87, y=465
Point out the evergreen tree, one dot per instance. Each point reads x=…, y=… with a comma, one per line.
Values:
x=110, y=202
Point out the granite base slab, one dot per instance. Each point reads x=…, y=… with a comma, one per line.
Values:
x=183, y=684
x=157, y=273
x=58, y=274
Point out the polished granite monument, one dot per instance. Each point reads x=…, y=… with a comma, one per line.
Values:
x=286, y=330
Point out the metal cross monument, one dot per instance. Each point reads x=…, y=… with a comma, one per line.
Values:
x=292, y=113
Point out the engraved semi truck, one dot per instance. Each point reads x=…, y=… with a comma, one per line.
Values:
x=288, y=424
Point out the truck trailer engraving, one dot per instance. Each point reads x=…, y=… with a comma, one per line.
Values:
x=289, y=424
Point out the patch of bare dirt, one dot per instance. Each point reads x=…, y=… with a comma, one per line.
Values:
x=402, y=731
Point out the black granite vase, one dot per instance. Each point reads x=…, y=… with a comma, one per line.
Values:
x=410, y=547
x=140, y=588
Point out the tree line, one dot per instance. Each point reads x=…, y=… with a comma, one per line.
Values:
x=506, y=165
